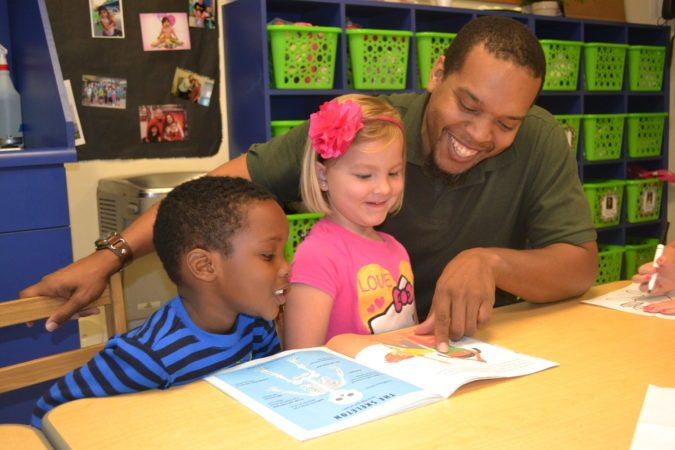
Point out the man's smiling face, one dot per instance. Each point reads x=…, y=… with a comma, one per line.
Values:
x=475, y=113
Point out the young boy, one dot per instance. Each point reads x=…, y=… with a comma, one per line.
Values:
x=221, y=240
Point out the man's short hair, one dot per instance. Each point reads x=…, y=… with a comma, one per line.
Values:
x=202, y=213
x=505, y=38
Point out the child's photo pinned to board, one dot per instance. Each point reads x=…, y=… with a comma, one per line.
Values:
x=202, y=14
x=192, y=86
x=106, y=18
x=162, y=123
x=165, y=31
x=104, y=92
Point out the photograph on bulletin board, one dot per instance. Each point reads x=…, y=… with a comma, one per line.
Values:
x=192, y=86
x=165, y=31
x=118, y=83
x=202, y=14
x=162, y=123
x=106, y=18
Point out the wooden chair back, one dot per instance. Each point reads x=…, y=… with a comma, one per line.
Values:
x=35, y=371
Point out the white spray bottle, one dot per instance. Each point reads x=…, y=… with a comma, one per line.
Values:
x=10, y=107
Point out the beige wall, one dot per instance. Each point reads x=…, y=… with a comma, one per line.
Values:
x=83, y=176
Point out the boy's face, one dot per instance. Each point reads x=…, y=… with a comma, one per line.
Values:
x=255, y=272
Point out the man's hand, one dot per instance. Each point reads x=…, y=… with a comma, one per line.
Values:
x=80, y=283
x=464, y=297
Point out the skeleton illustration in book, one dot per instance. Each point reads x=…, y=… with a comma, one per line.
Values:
x=313, y=384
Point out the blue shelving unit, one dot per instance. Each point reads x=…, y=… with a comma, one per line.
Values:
x=34, y=222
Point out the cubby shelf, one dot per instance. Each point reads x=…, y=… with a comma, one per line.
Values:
x=252, y=105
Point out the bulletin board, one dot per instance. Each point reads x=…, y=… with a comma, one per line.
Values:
x=117, y=86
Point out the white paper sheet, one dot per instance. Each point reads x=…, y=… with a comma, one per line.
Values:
x=630, y=299
x=656, y=426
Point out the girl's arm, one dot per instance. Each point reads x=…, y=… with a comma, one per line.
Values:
x=306, y=317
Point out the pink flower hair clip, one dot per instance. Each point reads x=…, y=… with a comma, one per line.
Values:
x=334, y=127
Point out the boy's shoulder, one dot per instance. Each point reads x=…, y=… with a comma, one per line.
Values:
x=158, y=325
x=171, y=323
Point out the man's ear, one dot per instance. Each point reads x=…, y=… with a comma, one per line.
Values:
x=321, y=175
x=200, y=263
x=436, y=74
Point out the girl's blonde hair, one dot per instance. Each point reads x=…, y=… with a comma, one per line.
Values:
x=314, y=198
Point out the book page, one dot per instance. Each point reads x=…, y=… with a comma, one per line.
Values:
x=311, y=392
x=414, y=358
x=631, y=300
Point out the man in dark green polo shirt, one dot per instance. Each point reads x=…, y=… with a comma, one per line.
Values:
x=493, y=205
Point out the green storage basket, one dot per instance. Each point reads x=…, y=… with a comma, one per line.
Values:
x=645, y=67
x=638, y=250
x=610, y=258
x=603, y=136
x=430, y=47
x=299, y=226
x=645, y=133
x=571, y=123
x=605, y=198
x=378, y=58
x=643, y=200
x=303, y=57
x=562, y=64
x=280, y=127
x=604, y=66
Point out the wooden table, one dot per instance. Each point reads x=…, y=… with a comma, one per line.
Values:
x=592, y=401
x=23, y=437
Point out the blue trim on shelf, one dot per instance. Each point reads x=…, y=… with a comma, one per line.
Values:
x=42, y=157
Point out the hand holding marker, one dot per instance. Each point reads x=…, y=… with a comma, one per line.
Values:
x=657, y=255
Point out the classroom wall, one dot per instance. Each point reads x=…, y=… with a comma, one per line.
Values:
x=83, y=177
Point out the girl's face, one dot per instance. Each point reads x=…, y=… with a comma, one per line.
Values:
x=364, y=184
x=104, y=14
x=169, y=119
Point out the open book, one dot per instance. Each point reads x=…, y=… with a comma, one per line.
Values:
x=356, y=378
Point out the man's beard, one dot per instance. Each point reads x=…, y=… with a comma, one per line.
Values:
x=431, y=169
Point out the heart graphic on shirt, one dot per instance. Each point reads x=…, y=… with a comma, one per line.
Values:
x=374, y=286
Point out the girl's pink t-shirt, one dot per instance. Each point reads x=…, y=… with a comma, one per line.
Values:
x=371, y=282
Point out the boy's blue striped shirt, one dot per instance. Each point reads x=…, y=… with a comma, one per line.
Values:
x=167, y=350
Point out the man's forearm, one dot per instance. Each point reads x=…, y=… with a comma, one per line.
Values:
x=552, y=273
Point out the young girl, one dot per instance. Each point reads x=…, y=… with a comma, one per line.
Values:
x=172, y=130
x=346, y=276
x=107, y=22
x=167, y=37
